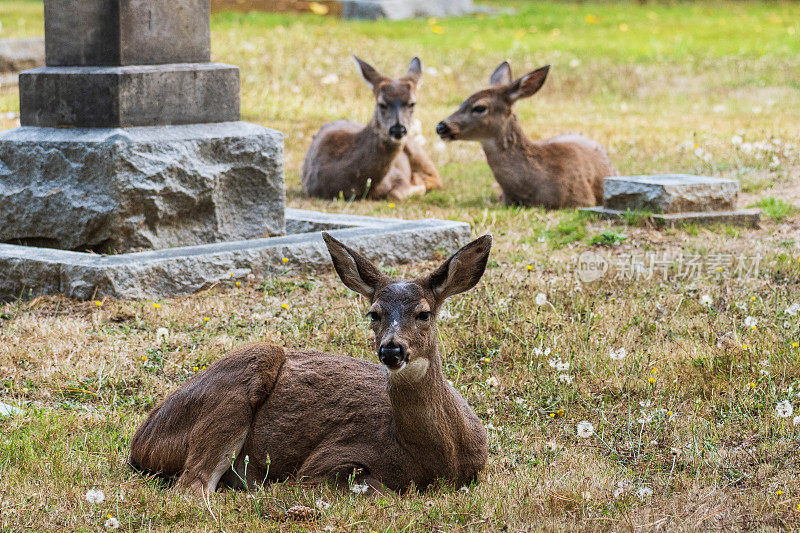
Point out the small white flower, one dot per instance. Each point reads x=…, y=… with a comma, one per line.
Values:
x=645, y=403
x=551, y=445
x=645, y=419
x=706, y=300
x=719, y=108
x=95, y=496
x=464, y=489
x=585, y=429
x=359, y=488
x=793, y=309
x=565, y=378
x=329, y=79
x=575, y=63
x=618, y=355
x=784, y=409
x=492, y=382
x=562, y=366
x=586, y=495
x=162, y=333
x=644, y=492
x=112, y=523
x=737, y=140
x=623, y=107
x=541, y=299
x=619, y=491
x=796, y=420
x=322, y=504
x=750, y=322
x=554, y=362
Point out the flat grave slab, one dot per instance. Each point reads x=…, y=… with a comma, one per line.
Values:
x=670, y=193
x=741, y=217
x=29, y=271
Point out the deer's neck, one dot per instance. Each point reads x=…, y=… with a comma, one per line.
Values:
x=425, y=411
x=374, y=153
x=515, y=160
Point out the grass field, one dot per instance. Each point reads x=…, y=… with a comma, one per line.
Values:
x=688, y=432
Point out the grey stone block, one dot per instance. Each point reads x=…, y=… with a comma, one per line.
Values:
x=126, y=32
x=676, y=193
x=181, y=93
x=404, y=9
x=749, y=218
x=27, y=271
x=134, y=188
x=21, y=54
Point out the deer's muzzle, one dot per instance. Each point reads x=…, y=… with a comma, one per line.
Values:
x=392, y=355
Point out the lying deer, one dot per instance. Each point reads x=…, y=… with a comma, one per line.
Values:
x=378, y=159
x=320, y=416
x=565, y=171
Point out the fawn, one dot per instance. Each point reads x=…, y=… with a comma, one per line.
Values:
x=320, y=416
x=565, y=171
x=378, y=160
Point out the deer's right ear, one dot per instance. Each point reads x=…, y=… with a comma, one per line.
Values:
x=501, y=75
x=528, y=85
x=414, y=70
x=370, y=75
x=355, y=271
x=463, y=270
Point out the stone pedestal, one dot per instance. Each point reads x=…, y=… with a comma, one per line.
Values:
x=131, y=138
x=121, y=189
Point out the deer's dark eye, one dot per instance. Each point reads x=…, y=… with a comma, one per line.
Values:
x=479, y=109
x=383, y=106
x=424, y=316
x=375, y=317
x=411, y=104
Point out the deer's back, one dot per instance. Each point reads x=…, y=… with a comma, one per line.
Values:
x=330, y=161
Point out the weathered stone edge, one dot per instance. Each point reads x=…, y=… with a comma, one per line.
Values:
x=27, y=271
x=741, y=217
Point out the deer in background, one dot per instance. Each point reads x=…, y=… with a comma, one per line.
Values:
x=378, y=159
x=319, y=416
x=565, y=171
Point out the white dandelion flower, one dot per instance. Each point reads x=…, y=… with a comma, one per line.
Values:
x=565, y=378
x=492, y=382
x=737, y=140
x=585, y=429
x=554, y=362
x=619, y=491
x=793, y=309
x=112, y=523
x=706, y=300
x=784, y=409
x=322, y=505
x=359, y=488
x=541, y=299
x=644, y=492
x=562, y=366
x=618, y=355
x=552, y=445
x=750, y=322
x=95, y=496
x=645, y=403
x=162, y=333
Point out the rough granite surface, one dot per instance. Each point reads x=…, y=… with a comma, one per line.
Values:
x=124, y=189
x=676, y=193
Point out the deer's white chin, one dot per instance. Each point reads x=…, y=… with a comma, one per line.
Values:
x=413, y=371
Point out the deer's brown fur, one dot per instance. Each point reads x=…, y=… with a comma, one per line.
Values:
x=565, y=171
x=346, y=157
x=320, y=416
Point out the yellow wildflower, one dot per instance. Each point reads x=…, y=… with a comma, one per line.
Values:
x=238, y=283
x=98, y=303
x=285, y=259
x=285, y=306
x=438, y=30
x=156, y=305
x=652, y=380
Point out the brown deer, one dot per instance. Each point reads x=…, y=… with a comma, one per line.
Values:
x=318, y=416
x=377, y=160
x=565, y=171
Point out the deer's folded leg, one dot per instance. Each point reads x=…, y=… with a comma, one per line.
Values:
x=193, y=433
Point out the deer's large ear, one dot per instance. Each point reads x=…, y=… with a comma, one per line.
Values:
x=355, y=271
x=463, y=270
x=501, y=75
x=414, y=70
x=528, y=84
x=370, y=75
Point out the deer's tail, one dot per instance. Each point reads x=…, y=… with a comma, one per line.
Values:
x=195, y=429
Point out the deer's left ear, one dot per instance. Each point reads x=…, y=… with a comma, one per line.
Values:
x=528, y=85
x=414, y=70
x=463, y=270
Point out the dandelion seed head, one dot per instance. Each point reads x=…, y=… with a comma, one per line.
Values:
x=111, y=523
x=585, y=429
x=784, y=409
x=95, y=496
x=541, y=299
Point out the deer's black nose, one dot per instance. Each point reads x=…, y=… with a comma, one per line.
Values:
x=398, y=131
x=392, y=355
x=442, y=128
